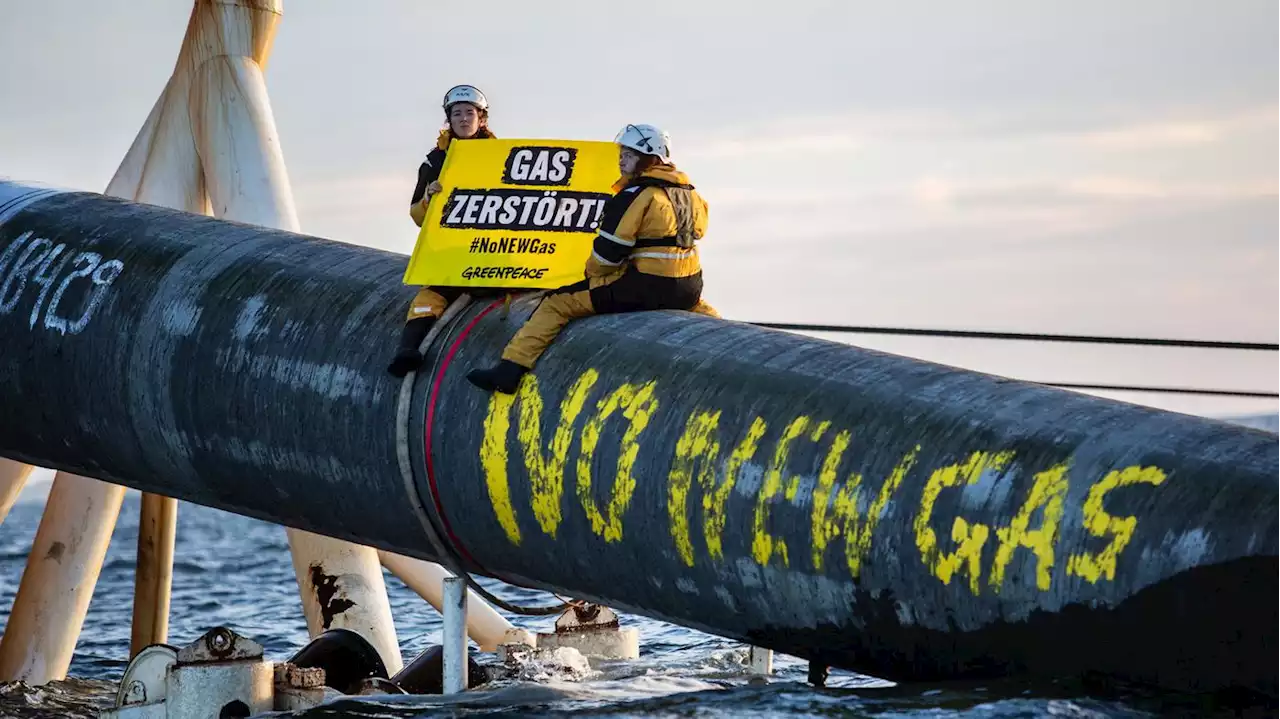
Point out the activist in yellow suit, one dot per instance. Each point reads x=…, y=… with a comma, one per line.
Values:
x=644, y=256
x=466, y=110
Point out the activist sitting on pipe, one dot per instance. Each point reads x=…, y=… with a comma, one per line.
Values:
x=644, y=256
x=466, y=112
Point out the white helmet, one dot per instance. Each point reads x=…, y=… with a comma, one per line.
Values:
x=465, y=93
x=647, y=140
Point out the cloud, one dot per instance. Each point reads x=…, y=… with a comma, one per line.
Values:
x=934, y=191
x=371, y=197
x=939, y=192
x=1179, y=133
x=1154, y=135
x=1124, y=188
x=1002, y=212
x=1096, y=128
x=773, y=143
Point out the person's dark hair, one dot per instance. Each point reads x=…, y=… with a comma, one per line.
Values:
x=647, y=161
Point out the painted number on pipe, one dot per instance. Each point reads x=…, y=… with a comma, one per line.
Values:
x=37, y=268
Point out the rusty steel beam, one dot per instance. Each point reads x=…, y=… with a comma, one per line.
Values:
x=863, y=510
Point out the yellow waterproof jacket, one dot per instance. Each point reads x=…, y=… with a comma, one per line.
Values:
x=653, y=224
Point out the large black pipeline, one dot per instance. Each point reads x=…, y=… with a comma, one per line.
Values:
x=868, y=511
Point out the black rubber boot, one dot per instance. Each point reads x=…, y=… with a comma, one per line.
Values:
x=408, y=358
x=503, y=377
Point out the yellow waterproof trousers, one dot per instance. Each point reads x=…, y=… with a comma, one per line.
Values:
x=627, y=290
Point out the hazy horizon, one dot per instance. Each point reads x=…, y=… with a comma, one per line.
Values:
x=1060, y=167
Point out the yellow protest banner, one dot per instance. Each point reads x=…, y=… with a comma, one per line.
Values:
x=514, y=213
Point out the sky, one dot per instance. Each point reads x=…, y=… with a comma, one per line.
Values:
x=1065, y=167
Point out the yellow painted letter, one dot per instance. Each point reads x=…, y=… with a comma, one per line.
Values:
x=844, y=509
x=824, y=528
x=713, y=502
x=699, y=444
x=1049, y=491
x=969, y=538
x=1100, y=524
x=493, y=460
x=858, y=537
x=638, y=405
x=764, y=545
x=546, y=474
